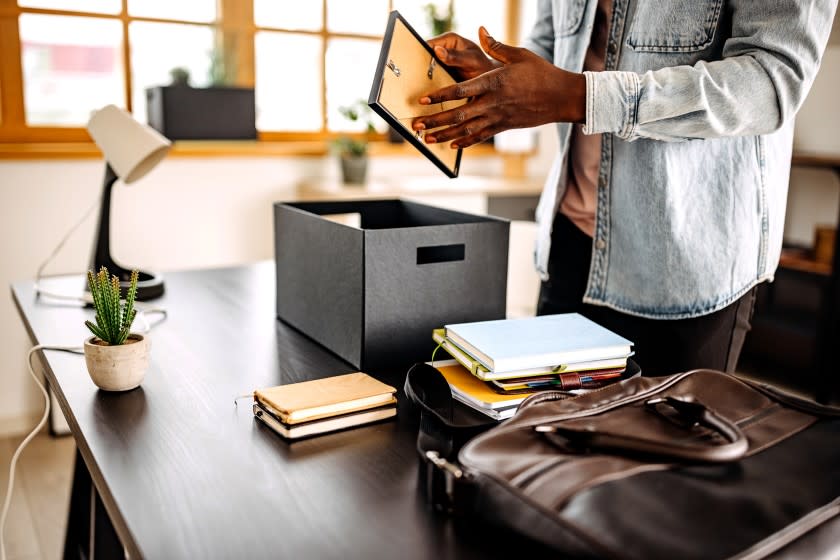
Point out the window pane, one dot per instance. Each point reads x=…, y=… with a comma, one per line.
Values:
x=71, y=66
x=470, y=15
x=365, y=17
x=289, y=14
x=415, y=13
x=187, y=10
x=351, y=64
x=95, y=6
x=157, y=48
x=288, y=75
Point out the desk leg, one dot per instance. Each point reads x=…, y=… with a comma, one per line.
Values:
x=90, y=534
x=76, y=541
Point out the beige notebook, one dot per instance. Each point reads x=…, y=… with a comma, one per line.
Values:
x=322, y=398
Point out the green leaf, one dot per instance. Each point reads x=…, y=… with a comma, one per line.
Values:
x=97, y=332
x=128, y=310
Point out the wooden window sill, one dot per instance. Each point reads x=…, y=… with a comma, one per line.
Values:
x=213, y=148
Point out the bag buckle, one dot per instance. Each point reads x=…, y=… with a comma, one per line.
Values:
x=441, y=481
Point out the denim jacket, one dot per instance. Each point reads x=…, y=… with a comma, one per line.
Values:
x=696, y=106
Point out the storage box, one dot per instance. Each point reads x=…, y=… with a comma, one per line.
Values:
x=372, y=294
x=214, y=113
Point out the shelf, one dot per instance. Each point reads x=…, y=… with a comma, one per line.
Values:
x=800, y=260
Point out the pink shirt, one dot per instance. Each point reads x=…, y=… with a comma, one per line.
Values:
x=580, y=201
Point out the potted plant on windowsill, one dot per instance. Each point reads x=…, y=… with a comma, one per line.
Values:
x=116, y=358
x=353, y=150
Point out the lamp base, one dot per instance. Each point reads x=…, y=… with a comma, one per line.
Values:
x=149, y=284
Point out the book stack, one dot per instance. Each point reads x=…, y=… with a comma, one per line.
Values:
x=500, y=363
x=324, y=405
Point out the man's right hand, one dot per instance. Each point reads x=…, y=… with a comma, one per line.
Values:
x=462, y=55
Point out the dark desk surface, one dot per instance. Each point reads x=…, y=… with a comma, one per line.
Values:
x=184, y=473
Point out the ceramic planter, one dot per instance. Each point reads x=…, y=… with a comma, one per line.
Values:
x=117, y=368
x=354, y=169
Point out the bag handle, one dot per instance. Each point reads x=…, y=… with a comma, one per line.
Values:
x=691, y=412
x=440, y=437
x=426, y=388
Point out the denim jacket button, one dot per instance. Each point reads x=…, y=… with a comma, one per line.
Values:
x=600, y=245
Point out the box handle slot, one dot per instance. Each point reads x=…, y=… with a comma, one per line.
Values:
x=440, y=253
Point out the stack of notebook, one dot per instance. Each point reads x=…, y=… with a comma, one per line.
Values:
x=514, y=358
x=324, y=405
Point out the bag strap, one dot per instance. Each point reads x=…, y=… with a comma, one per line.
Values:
x=691, y=413
x=440, y=436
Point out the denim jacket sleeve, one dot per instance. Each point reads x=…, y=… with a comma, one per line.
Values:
x=767, y=68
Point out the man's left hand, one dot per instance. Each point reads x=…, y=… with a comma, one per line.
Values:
x=525, y=91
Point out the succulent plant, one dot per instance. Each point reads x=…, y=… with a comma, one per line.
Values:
x=113, y=321
x=355, y=146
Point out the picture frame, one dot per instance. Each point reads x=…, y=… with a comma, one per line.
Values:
x=407, y=70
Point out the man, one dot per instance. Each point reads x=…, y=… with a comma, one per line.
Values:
x=665, y=206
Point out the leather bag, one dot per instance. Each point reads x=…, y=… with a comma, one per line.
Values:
x=696, y=465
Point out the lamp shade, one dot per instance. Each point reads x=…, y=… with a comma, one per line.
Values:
x=132, y=149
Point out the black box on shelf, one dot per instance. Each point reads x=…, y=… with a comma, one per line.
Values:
x=213, y=113
x=371, y=279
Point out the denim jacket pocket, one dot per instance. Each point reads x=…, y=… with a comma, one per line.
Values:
x=674, y=25
x=568, y=17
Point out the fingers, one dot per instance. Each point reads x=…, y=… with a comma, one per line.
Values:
x=471, y=128
x=481, y=135
x=498, y=50
x=471, y=88
x=444, y=118
x=451, y=41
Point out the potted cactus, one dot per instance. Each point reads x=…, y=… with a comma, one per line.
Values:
x=116, y=358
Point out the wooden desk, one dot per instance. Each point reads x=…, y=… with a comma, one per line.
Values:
x=183, y=473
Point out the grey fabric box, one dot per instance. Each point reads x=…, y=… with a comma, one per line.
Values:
x=373, y=294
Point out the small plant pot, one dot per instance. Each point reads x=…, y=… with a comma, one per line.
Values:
x=117, y=368
x=354, y=169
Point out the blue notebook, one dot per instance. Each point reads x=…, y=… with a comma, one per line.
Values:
x=533, y=342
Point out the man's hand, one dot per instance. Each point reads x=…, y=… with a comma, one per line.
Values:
x=462, y=55
x=524, y=91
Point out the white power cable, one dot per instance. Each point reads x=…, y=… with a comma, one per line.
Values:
x=64, y=240
x=8, y=500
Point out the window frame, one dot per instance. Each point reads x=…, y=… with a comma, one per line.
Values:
x=234, y=25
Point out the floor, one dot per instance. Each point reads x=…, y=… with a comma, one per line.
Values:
x=38, y=514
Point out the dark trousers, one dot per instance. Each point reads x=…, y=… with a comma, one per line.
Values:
x=662, y=346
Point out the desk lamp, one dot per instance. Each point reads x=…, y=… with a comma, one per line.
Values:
x=131, y=150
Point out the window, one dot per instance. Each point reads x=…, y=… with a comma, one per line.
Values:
x=61, y=59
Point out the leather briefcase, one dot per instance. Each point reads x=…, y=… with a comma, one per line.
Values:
x=696, y=465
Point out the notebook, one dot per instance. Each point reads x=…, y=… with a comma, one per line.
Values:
x=331, y=424
x=514, y=345
x=322, y=398
x=464, y=384
x=477, y=368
